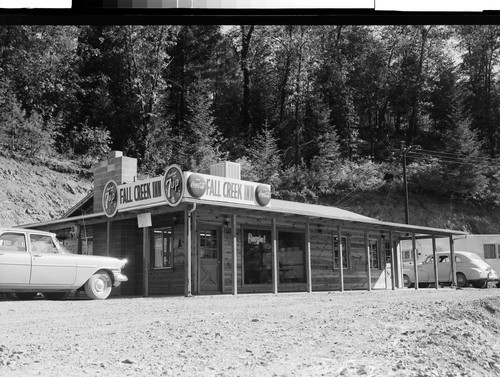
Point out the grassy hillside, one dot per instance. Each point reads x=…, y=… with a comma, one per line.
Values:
x=32, y=193
x=428, y=211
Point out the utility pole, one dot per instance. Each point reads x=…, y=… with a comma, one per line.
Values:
x=405, y=183
x=404, y=150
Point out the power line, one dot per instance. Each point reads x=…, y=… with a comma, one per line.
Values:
x=457, y=156
x=423, y=156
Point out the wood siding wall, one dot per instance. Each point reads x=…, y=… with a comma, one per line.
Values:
x=126, y=242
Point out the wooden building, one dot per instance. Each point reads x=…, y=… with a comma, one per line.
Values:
x=185, y=233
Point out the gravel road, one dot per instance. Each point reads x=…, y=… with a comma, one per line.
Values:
x=426, y=332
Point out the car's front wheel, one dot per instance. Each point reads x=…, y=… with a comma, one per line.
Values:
x=98, y=287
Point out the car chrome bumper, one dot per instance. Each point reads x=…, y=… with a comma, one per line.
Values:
x=119, y=278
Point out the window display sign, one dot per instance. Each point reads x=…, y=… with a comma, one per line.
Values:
x=221, y=189
x=257, y=256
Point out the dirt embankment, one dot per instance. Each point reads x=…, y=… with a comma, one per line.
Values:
x=428, y=332
x=31, y=193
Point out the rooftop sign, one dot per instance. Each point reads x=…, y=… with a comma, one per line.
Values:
x=221, y=189
x=175, y=184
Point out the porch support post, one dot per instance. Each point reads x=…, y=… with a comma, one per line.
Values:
x=235, y=259
x=145, y=261
x=188, y=261
x=367, y=257
x=393, y=255
x=453, y=263
x=108, y=237
x=308, y=257
x=275, y=256
x=341, y=257
x=414, y=252
x=436, y=276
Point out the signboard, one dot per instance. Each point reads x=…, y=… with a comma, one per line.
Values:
x=144, y=220
x=168, y=189
x=140, y=193
x=174, y=185
x=110, y=198
x=221, y=189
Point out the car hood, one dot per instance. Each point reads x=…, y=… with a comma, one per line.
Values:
x=99, y=261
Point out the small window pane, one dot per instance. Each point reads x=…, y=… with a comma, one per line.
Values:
x=163, y=248
x=336, y=253
x=374, y=259
x=489, y=251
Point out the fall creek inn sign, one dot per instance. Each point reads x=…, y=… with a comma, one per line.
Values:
x=190, y=233
x=170, y=189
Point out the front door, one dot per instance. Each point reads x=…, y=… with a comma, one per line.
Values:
x=210, y=266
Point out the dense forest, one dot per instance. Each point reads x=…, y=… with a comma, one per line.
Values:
x=316, y=111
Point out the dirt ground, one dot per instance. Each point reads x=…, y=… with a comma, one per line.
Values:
x=426, y=332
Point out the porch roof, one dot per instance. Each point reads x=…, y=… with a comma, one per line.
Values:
x=287, y=208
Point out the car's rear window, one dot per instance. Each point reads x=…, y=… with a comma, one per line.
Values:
x=12, y=242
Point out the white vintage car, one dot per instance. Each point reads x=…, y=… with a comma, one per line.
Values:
x=33, y=262
x=470, y=269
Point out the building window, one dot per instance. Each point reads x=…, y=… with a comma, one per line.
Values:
x=257, y=256
x=208, y=244
x=374, y=255
x=291, y=258
x=336, y=253
x=388, y=252
x=407, y=255
x=163, y=247
x=489, y=251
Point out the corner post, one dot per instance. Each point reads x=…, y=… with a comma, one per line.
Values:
x=308, y=257
x=341, y=257
x=235, y=258
x=453, y=263
x=188, y=250
x=367, y=257
x=436, y=275
x=393, y=255
x=145, y=260
x=414, y=252
x=275, y=256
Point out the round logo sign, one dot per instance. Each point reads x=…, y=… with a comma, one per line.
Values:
x=196, y=185
x=110, y=198
x=174, y=185
x=263, y=195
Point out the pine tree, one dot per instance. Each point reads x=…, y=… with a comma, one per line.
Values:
x=265, y=157
x=464, y=166
x=326, y=164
